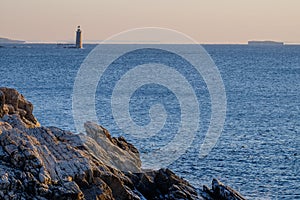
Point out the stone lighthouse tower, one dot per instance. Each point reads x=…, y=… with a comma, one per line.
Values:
x=78, y=38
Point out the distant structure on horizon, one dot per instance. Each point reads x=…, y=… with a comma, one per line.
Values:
x=78, y=38
x=259, y=43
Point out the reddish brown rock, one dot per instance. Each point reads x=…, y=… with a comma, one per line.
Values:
x=12, y=102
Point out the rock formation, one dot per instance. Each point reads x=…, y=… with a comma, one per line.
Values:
x=220, y=191
x=49, y=163
x=13, y=105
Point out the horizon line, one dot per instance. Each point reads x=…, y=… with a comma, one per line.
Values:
x=70, y=41
x=152, y=42
x=145, y=42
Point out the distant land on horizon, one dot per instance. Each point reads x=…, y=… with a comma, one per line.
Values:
x=10, y=41
x=266, y=42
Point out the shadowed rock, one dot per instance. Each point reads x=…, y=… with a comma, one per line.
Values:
x=221, y=192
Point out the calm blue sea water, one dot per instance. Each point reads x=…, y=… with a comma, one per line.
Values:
x=258, y=152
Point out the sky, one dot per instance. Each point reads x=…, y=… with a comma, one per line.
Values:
x=206, y=21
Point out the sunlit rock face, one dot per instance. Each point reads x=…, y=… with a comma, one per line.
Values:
x=115, y=152
x=15, y=109
x=49, y=163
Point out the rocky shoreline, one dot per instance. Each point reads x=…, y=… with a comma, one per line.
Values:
x=49, y=163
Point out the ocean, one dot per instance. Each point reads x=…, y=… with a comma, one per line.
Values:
x=258, y=150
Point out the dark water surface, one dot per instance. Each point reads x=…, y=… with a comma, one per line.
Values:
x=258, y=152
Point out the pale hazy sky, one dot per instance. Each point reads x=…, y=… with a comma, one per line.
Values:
x=207, y=21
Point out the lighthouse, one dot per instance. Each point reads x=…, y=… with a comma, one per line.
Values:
x=78, y=38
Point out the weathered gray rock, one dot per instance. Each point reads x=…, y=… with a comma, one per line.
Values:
x=221, y=192
x=54, y=164
x=115, y=152
x=49, y=163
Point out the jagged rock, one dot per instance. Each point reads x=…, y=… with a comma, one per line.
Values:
x=221, y=192
x=12, y=102
x=2, y=102
x=115, y=152
x=50, y=163
x=54, y=164
x=163, y=183
x=4, y=126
